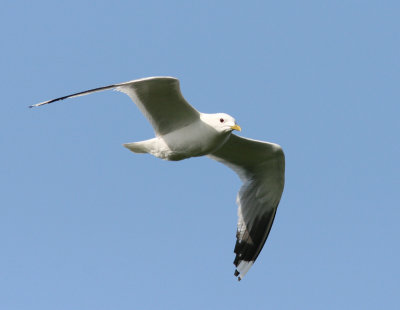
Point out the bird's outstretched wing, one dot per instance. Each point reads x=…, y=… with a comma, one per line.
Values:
x=159, y=99
x=261, y=167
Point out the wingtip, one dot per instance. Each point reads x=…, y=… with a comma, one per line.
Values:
x=242, y=268
x=237, y=274
x=38, y=104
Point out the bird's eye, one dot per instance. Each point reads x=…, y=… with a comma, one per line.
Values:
x=221, y=120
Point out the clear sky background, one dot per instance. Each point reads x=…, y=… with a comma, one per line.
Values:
x=86, y=224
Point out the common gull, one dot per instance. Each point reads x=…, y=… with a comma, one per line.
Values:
x=183, y=132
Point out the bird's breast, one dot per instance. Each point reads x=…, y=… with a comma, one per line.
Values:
x=197, y=139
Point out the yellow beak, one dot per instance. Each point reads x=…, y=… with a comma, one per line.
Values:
x=236, y=127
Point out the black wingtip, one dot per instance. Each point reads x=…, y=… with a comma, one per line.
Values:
x=237, y=274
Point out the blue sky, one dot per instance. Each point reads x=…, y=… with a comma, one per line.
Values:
x=86, y=224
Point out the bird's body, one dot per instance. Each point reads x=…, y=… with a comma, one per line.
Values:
x=183, y=132
x=193, y=140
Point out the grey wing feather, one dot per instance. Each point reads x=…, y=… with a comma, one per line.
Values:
x=159, y=99
x=261, y=167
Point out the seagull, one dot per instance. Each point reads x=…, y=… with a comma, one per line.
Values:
x=182, y=132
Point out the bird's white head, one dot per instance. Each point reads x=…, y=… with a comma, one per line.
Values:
x=221, y=122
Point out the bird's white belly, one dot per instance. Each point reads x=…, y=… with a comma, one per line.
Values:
x=195, y=140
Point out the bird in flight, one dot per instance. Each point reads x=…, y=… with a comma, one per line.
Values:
x=183, y=132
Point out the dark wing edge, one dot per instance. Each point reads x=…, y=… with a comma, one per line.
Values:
x=112, y=86
x=82, y=93
x=261, y=167
x=159, y=99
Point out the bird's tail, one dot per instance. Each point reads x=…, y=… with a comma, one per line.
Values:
x=140, y=147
